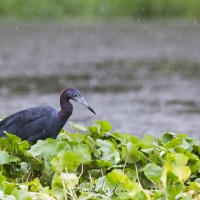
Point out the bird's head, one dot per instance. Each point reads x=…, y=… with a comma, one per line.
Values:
x=75, y=94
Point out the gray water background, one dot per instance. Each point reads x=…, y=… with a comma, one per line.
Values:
x=143, y=77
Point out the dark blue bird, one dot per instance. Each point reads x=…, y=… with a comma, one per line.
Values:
x=41, y=122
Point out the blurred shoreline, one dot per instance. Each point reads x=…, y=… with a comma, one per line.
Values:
x=104, y=9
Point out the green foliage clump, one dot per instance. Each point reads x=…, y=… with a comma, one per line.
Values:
x=100, y=164
x=104, y=9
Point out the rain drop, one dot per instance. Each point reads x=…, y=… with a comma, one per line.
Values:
x=1, y=62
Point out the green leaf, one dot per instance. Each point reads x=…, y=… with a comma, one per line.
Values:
x=44, y=148
x=2, y=179
x=194, y=167
x=63, y=145
x=173, y=143
x=118, y=136
x=75, y=138
x=130, y=156
x=35, y=185
x=149, y=150
x=119, y=184
x=147, y=142
x=4, y=157
x=153, y=172
x=195, y=186
x=13, y=138
x=24, y=167
x=175, y=163
x=179, y=159
x=91, y=144
x=58, y=193
x=174, y=186
x=34, y=162
x=167, y=137
x=191, y=156
x=77, y=126
x=103, y=163
x=23, y=146
x=135, y=141
x=117, y=178
x=93, y=129
x=8, y=188
x=184, y=145
x=101, y=127
x=82, y=152
x=158, y=195
x=131, y=174
x=65, y=160
x=108, y=151
x=14, y=159
x=104, y=126
x=99, y=184
x=69, y=180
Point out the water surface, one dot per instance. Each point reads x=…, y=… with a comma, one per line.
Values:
x=142, y=77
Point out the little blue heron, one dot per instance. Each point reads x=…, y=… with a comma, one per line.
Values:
x=42, y=122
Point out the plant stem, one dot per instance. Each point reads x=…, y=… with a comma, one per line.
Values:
x=137, y=175
x=125, y=163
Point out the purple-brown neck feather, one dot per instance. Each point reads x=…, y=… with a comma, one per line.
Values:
x=66, y=106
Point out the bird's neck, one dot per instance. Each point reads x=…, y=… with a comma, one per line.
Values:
x=66, y=109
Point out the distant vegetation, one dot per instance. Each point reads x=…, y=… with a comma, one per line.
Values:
x=103, y=9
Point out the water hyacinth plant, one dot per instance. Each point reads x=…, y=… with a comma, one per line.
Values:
x=96, y=163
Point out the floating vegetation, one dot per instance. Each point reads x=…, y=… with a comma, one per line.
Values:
x=96, y=163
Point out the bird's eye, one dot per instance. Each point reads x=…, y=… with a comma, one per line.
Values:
x=75, y=95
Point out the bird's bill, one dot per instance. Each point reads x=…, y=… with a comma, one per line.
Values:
x=82, y=101
x=91, y=109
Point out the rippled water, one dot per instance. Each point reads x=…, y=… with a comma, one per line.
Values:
x=142, y=77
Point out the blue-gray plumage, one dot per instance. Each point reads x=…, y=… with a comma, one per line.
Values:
x=42, y=122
